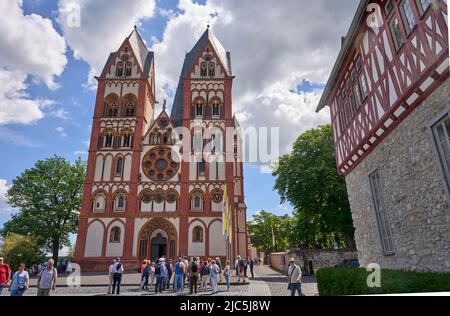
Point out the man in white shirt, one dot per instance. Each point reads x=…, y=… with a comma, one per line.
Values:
x=294, y=278
x=117, y=277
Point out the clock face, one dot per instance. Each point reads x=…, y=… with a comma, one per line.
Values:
x=158, y=164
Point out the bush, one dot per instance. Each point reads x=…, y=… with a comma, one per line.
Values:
x=348, y=281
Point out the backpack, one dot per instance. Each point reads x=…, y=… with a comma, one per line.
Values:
x=194, y=267
x=205, y=270
x=158, y=269
x=148, y=270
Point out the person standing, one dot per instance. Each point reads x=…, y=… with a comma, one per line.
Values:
x=193, y=276
x=214, y=276
x=160, y=274
x=47, y=279
x=5, y=275
x=236, y=265
x=294, y=278
x=204, y=273
x=20, y=282
x=180, y=272
x=146, y=275
x=186, y=264
x=241, y=265
x=117, y=276
x=152, y=274
x=111, y=276
x=169, y=272
x=219, y=264
x=245, y=267
x=251, y=264
x=227, y=273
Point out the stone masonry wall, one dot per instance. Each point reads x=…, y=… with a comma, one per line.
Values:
x=414, y=192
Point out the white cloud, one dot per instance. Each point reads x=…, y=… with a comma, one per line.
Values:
x=274, y=48
x=104, y=25
x=4, y=207
x=62, y=133
x=15, y=105
x=29, y=45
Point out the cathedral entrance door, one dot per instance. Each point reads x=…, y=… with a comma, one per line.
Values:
x=159, y=247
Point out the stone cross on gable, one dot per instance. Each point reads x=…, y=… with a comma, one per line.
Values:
x=164, y=104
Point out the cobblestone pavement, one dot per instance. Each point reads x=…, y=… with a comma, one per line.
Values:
x=267, y=282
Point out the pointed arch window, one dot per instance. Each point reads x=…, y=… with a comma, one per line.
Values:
x=120, y=202
x=197, y=202
x=119, y=69
x=203, y=69
x=111, y=105
x=216, y=105
x=211, y=69
x=128, y=68
x=99, y=202
x=127, y=141
x=115, y=234
x=108, y=140
x=197, y=234
x=199, y=104
x=119, y=167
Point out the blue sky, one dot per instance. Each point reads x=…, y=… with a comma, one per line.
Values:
x=277, y=87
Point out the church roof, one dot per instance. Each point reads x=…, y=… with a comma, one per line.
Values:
x=190, y=60
x=143, y=56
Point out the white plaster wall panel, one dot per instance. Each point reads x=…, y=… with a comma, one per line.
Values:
x=196, y=248
x=115, y=249
x=127, y=168
x=133, y=89
x=158, y=207
x=107, y=168
x=146, y=207
x=116, y=88
x=171, y=207
x=98, y=168
x=216, y=207
x=94, y=240
x=213, y=171
x=217, y=242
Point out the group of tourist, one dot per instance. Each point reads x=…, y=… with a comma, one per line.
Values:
x=20, y=281
x=185, y=272
x=158, y=274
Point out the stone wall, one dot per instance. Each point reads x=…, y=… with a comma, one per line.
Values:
x=414, y=192
x=320, y=259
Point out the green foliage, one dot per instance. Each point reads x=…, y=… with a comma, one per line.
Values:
x=308, y=179
x=268, y=232
x=19, y=249
x=348, y=281
x=48, y=197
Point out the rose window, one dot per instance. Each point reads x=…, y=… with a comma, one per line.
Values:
x=158, y=164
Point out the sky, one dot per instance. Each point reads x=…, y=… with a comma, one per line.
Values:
x=50, y=50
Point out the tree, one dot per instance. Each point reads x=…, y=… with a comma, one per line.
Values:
x=19, y=249
x=48, y=198
x=267, y=232
x=308, y=179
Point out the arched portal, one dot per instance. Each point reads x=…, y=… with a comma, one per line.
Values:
x=157, y=238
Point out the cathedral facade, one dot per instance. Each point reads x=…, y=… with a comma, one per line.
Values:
x=155, y=182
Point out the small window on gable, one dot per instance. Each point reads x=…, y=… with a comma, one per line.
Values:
x=212, y=69
x=203, y=69
x=119, y=69
x=128, y=68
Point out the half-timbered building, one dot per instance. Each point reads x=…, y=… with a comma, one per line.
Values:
x=389, y=99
